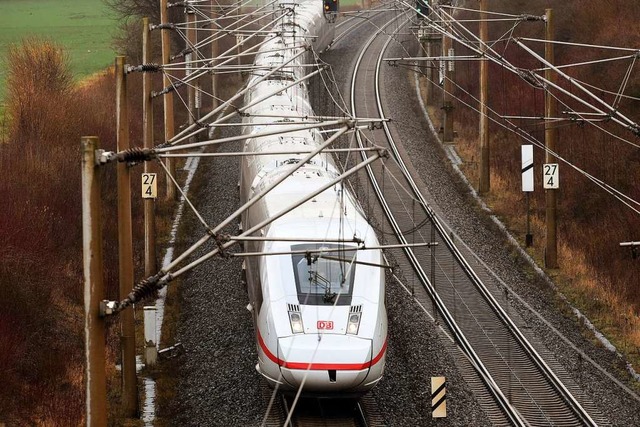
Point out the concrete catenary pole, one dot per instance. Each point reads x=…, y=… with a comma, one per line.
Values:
x=550, y=137
x=434, y=45
x=150, y=263
x=423, y=48
x=484, y=185
x=125, y=251
x=215, y=52
x=169, y=123
x=94, y=329
x=191, y=40
x=424, y=51
x=150, y=259
x=239, y=37
x=447, y=106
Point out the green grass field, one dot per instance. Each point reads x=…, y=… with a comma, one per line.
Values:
x=83, y=27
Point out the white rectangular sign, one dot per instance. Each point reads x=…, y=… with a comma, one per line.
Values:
x=527, y=168
x=551, y=176
x=149, y=186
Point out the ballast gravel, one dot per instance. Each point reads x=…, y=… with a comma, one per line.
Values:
x=218, y=384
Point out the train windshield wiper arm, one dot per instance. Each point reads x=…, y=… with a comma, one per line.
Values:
x=319, y=280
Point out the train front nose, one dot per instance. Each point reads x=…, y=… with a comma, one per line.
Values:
x=325, y=363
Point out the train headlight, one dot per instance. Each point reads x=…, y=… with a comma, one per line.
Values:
x=354, y=323
x=296, y=322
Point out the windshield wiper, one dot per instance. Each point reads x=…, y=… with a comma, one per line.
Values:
x=325, y=284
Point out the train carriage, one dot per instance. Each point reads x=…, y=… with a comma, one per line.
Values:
x=316, y=295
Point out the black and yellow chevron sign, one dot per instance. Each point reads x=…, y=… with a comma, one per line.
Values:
x=438, y=397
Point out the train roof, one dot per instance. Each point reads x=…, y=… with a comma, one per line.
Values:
x=333, y=204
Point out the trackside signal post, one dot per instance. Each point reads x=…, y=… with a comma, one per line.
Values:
x=438, y=397
x=527, y=185
x=330, y=6
x=422, y=8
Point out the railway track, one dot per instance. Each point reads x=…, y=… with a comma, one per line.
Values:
x=311, y=412
x=524, y=388
x=332, y=412
x=357, y=20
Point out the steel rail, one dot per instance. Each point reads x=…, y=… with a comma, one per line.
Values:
x=572, y=402
x=534, y=356
x=502, y=401
x=362, y=19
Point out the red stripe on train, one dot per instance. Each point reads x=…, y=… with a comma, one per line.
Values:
x=321, y=366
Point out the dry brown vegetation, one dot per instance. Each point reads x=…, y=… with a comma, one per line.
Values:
x=41, y=297
x=596, y=273
x=40, y=221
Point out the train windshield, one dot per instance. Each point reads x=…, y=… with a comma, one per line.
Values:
x=324, y=274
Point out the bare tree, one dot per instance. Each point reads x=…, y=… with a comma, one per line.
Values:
x=129, y=13
x=139, y=8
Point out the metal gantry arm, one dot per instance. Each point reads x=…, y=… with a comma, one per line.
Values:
x=208, y=67
x=185, y=134
x=148, y=286
x=251, y=136
x=498, y=59
x=269, y=153
x=249, y=203
x=623, y=120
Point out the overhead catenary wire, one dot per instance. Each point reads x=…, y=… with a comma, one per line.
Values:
x=322, y=73
x=575, y=44
x=511, y=68
x=203, y=70
x=488, y=12
x=625, y=199
x=621, y=197
x=264, y=153
x=540, y=82
x=592, y=62
x=189, y=131
x=159, y=280
x=149, y=285
x=633, y=126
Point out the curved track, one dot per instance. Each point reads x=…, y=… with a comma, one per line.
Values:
x=527, y=391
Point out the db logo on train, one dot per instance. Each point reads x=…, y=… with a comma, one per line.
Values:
x=325, y=324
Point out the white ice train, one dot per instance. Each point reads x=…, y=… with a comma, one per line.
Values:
x=319, y=306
